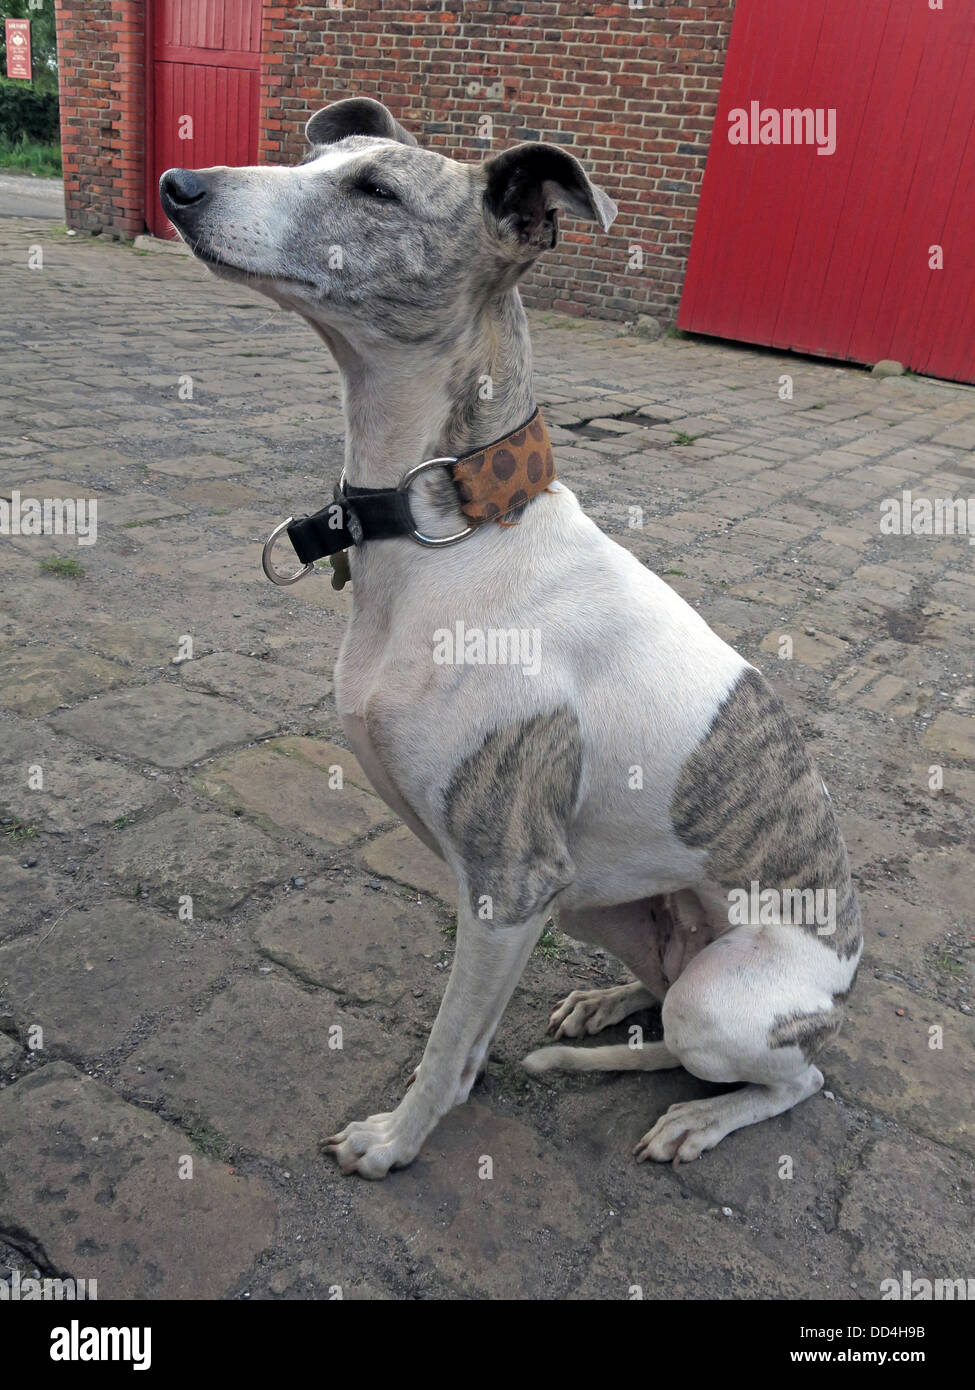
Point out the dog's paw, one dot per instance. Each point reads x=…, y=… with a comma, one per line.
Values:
x=586, y=1011
x=684, y=1132
x=372, y=1147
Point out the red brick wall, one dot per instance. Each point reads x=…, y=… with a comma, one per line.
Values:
x=630, y=91
x=101, y=79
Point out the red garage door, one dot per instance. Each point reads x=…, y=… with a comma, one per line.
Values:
x=839, y=253
x=204, y=87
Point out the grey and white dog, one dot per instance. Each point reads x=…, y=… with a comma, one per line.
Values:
x=645, y=784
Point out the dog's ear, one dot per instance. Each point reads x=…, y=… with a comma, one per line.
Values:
x=354, y=116
x=526, y=186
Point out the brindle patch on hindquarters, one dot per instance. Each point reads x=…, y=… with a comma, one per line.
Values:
x=750, y=797
x=810, y=1032
x=508, y=806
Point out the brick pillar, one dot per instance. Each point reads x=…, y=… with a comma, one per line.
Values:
x=274, y=68
x=101, y=67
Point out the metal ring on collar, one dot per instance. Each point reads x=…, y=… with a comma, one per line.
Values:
x=406, y=482
x=274, y=575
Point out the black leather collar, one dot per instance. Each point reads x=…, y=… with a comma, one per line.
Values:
x=354, y=516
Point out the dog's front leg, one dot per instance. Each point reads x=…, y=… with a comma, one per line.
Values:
x=507, y=809
x=487, y=965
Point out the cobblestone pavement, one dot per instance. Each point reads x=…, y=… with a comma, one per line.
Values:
x=131, y=1037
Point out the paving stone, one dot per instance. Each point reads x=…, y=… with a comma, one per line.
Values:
x=25, y=894
x=908, y=1207
x=364, y=947
x=782, y=596
x=953, y=734
x=218, y=563
x=264, y=687
x=250, y=524
x=709, y=1257
x=76, y=791
x=910, y=930
x=199, y=466
x=239, y=565
x=95, y=1183
x=10, y=1051
x=286, y=785
x=218, y=860
x=137, y=509
x=471, y=1227
x=92, y=977
x=257, y=1068
x=401, y=856
x=942, y=877
x=146, y=642
x=885, y=1060
x=819, y=651
x=217, y=494
x=58, y=487
x=39, y=678
x=162, y=724
x=884, y=578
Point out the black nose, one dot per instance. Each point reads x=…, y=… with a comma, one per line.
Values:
x=182, y=188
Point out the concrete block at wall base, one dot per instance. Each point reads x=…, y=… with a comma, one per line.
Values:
x=144, y=242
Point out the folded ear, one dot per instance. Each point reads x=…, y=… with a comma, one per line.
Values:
x=527, y=185
x=354, y=116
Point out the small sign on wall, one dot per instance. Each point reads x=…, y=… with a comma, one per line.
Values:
x=18, y=49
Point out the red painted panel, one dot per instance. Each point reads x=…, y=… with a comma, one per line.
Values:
x=233, y=24
x=829, y=254
x=204, y=70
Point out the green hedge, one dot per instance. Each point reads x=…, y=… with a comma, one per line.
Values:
x=25, y=112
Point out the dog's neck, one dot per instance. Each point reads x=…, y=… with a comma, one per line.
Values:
x=408, y=404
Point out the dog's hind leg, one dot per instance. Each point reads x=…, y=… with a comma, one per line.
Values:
x=756, y=1006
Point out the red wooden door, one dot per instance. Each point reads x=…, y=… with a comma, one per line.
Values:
x=832, y=254
x=204, y=87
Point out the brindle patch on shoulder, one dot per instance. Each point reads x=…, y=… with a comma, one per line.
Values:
x=750, y=796
x=508, y=807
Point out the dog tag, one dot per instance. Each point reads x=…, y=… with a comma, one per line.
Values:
x=341, y=574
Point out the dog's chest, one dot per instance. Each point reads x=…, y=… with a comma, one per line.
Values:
x=375, y=768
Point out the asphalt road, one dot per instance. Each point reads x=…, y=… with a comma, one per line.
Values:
x=23, y=196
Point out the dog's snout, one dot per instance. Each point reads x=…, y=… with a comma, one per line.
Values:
x=182, y=189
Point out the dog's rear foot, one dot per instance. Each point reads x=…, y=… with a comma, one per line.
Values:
x=590, y=1010
x=691, y=1127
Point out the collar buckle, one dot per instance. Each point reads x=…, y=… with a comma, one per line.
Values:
x=407, y=481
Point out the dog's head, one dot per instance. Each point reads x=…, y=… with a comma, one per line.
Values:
x=374, y=237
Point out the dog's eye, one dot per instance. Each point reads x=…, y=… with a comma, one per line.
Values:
x=377, y=190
